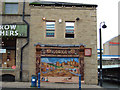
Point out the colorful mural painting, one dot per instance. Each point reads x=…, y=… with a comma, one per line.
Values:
x=59, y=67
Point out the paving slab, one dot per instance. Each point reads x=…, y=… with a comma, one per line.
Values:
x=46, y=85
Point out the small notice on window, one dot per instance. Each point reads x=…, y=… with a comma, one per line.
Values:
x=88, y=52
x=2, y=50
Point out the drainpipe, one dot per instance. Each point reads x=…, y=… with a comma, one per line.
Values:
x=28, y=26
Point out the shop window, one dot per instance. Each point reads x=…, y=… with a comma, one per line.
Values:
x=69, y=31
x=50, y=29
x=8, y=58
x=11, y=8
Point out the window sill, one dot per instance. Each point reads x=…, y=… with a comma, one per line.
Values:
x=14, y=15
x=69, y=38
x=7, y=68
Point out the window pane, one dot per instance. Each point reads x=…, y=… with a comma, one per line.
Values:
x=69, y=23
x=50, y=25
x=69, y=33
x=69, y=26
x=11, y=8
x=50, y=29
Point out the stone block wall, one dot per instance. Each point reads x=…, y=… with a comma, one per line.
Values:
x=17, y=19
x=85, y=33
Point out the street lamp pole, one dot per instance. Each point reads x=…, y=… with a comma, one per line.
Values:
x=100, y=58
x=100, y=37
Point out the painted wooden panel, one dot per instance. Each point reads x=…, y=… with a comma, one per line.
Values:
x=59, y=67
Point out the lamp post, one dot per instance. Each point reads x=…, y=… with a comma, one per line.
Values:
x=103, y=26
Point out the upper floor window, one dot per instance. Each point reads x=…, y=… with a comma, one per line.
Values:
x=50, y=29
x=11, y=8
x=69, y=31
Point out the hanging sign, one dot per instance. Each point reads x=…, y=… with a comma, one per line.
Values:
x=13, y=30
x=88, y=52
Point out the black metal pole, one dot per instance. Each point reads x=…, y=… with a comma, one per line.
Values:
x=100, y=57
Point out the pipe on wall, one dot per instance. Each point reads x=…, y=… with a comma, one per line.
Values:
x=28, y=26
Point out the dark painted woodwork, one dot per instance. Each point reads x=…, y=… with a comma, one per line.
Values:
x=60, y=52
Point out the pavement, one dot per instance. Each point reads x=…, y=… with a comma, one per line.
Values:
x=45, y=85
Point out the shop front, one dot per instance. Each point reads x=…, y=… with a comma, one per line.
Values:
x=10, y=34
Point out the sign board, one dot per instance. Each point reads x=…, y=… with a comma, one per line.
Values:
x=2, y=50
x=114, y=43
x=13, y=30
x=88, y=52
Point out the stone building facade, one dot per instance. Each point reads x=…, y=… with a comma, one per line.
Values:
x=13, y=50
x=111, y=47
x=55, y=27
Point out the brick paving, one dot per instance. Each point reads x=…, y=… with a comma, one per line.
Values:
x=45, y=85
